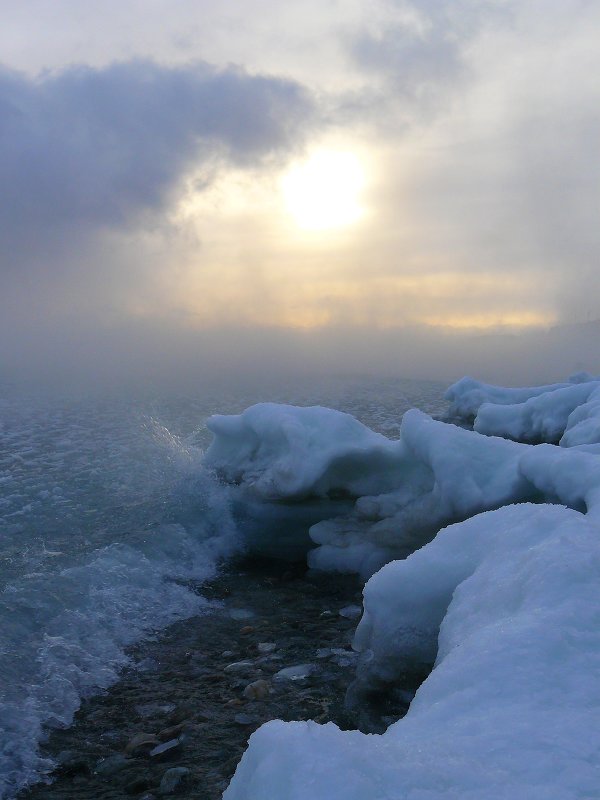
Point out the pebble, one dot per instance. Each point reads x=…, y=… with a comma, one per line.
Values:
x=180, y=714
x=257, y=690
x=227, y=654
x=141, y=742
x=295, y=673
x=166, y=749
x=173, y=780
x=350, y=612
x=266, y=647
x=247, y=629
x=173, y=731
x=245, y=719
x=239, y=666
x=112, y=764
x=344, y=658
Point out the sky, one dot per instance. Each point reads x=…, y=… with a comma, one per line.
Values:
x=405, y=186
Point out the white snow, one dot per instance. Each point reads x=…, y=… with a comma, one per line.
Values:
x=508, y=601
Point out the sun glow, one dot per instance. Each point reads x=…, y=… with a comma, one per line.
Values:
x=324, y=192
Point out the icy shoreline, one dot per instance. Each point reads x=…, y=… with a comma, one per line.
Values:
x=500, y=599
x=481, y=560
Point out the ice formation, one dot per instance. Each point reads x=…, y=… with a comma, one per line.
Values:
x=545, y=417
x=288, y=453
x=508, y=601
x=502, y=603
x=447, y=474
x=467, y=395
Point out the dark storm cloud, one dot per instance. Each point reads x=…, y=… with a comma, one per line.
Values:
x=87, y=148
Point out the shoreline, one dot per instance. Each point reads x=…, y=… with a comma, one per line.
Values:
x=197, y=690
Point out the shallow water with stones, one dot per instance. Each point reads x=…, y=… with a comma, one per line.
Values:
x=180, y=692
x=107, y=518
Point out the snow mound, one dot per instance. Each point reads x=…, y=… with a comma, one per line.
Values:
x=445, y=474
x=288, y=453
x=544, y=417
x=583, y=426
x=467, y=395
x=506, y=604
x=570, y=477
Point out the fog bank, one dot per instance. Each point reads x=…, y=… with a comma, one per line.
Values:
x=167, y=357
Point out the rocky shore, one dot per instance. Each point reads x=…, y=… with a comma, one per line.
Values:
x=177, y=723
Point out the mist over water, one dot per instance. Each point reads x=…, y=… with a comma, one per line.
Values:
x=166, y=358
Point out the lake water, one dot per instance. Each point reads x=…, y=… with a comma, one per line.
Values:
x=106, y=516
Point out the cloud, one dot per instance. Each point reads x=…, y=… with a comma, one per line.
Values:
x=91, y=149
x=490, y=111
x=416, y=54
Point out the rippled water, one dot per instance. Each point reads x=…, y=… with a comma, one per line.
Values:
x=106, y=516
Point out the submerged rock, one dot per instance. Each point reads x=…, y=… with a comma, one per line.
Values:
x=257, y=690
x=239, y=667
x=245, y=719
x=296, y=673
x=141, y=742
x=166, y=749
x=174, y=780
x=112, y=764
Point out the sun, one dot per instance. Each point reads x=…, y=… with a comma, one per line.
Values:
x=324, y=191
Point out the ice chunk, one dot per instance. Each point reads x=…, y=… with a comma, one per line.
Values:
x=567, y=476
x=541, y=418
x=446, y=474
x=467, y=395
x=507, y=606
x=583, y=426
x=289, y=452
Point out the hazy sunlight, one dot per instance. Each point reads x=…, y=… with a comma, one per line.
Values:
x=324, y=192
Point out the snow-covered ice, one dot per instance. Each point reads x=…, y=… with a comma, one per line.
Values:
x=507, y=606
x=467, y=395
x=541, y=418
x=290, y=452
x=447, y=474
x=501, y=604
